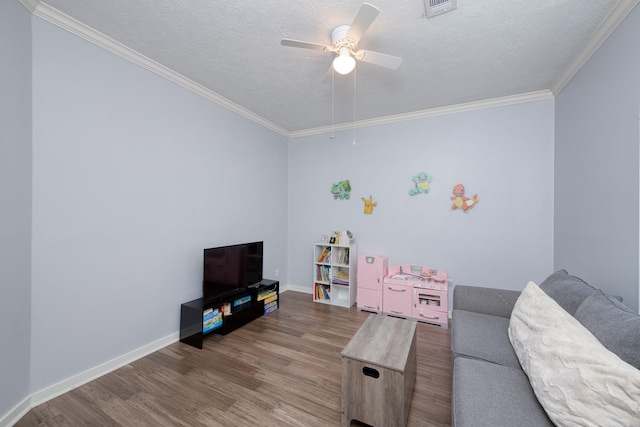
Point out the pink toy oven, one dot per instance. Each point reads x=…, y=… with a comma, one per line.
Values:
x=417, y=292
x=371, y=272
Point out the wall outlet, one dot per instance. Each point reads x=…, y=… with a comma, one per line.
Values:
x=277, y=272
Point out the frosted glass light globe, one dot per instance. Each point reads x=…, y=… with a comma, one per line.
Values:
x=344, y=63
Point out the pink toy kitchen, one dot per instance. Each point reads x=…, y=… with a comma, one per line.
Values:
x=411, y=291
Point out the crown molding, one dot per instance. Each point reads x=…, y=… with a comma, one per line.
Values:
x=451, y=109
x=54, y=16
x=31, y=5
x=64, y=21
x=608, y=26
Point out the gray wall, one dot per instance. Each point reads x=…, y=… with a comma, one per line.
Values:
x=132, y=177
x=504, y=154
x=596, y=170
x=15, y=203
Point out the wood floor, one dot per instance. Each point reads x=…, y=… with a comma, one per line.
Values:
x=280, y=370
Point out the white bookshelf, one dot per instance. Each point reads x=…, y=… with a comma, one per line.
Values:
x=334, y=274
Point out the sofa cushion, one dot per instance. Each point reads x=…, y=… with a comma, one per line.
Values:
x=613, y=324
x=482, y=336
x=575, y=378
x=497, y=302
x=490, y=395
x=567, y=290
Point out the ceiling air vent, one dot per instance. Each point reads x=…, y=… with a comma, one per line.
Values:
x=436, y=7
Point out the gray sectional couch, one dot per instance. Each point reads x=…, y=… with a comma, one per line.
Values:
x=489, y=387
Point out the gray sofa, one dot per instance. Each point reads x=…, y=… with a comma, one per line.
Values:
x=489, y=387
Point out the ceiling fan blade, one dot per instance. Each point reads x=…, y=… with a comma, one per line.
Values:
x=305, y=45
x=382, y=59
x=363, y=20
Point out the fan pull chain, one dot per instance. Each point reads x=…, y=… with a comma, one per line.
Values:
x=354, y=104
x=333, y=102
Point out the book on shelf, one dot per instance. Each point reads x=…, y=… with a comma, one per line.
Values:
x=343, y=256
x=241, y=301
x=212, y=319
x=271, y=308
x=226, y=309
x=322, y=273
x=270, y=300
x=322, y=292
x=324, y=255
x=341, y=278
x=266, y=295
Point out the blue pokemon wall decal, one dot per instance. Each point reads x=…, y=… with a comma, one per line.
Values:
x=422, y=184
x=341, y=190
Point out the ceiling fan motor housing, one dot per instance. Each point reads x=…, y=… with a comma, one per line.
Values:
x=339, y=37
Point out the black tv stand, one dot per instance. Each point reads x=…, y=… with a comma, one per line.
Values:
x=239, y=307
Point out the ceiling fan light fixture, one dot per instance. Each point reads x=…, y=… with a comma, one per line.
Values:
x=344, y=63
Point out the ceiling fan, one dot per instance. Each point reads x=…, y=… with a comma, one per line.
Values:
x=344, y=43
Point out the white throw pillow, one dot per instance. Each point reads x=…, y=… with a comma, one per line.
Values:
x=576, y=379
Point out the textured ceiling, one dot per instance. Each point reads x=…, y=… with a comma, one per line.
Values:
x=484, y=49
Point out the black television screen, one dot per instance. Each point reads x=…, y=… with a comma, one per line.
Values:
x=228, y=269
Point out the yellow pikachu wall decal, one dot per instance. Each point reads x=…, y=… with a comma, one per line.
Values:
x=369, y=204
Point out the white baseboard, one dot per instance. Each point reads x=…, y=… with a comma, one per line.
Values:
x=302, y=289
x=48, y=393
x=14, y=415
x=53, y=391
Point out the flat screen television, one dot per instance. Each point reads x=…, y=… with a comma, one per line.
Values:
x=229, y=269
